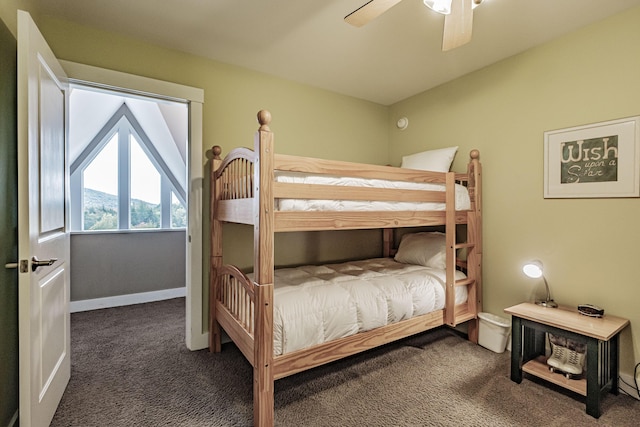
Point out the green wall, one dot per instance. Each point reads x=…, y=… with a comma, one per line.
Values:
x=8, y=227
x=588, y=246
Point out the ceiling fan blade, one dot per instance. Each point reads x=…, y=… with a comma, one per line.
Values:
x=457, y=25
x=369, y=11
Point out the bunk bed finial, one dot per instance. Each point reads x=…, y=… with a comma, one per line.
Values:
x=264, y=118
x=216, y=150
x=474, y=154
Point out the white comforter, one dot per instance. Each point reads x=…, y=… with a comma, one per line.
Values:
x=462, y=195
x=314, y=304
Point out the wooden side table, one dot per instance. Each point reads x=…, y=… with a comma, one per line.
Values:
x=531, y=323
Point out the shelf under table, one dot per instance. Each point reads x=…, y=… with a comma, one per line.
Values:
x=539, y=368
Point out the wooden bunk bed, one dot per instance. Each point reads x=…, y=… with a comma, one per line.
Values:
x=243, y=190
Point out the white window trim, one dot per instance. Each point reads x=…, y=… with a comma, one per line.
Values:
x=196, y=336
x=124, y=123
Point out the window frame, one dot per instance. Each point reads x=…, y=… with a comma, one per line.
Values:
x=123, y=123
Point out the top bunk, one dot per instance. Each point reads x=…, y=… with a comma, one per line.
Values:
x=292, y=193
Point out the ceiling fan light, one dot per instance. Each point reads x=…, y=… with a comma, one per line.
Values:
x=440, y=6
x=444, y=6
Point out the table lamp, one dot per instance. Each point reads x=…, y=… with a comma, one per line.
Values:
x=533, y=269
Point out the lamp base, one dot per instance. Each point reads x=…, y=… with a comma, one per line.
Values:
x=549, y=303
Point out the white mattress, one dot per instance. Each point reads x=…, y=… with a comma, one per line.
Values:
x=315, y=304
x=462, y=195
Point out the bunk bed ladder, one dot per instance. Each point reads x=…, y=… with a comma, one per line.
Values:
x=473, y=280
x=474, y=234
x=451, y=317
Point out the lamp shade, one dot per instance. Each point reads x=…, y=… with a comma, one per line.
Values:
x=533, y=269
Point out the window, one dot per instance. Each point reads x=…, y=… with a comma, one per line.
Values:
x=145, y=190
x=121, y=179
x=100, y=190
x=178, y=212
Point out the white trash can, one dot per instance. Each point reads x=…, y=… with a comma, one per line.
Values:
x=494, y=332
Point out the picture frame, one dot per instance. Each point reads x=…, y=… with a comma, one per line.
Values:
x=595, y=160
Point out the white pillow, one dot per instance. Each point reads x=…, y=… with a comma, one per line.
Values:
x=427, y=249
x=433, y=160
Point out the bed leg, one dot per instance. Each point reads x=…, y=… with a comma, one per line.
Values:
x=263, y=379
x=263, y=402
x=472, y=330
x=215, y=341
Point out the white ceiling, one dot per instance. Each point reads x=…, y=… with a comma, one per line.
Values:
x=391, y=58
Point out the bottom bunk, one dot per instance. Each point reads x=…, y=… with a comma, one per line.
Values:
x=312, y=315
x=325, y=313
x=322, y=313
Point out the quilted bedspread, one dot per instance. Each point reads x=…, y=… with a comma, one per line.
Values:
x=315, y=304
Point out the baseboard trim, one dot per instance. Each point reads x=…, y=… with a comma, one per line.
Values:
x=198, y=342
x=122, y=300
x=628, y=387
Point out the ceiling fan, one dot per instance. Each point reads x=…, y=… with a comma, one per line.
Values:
x=458, y=19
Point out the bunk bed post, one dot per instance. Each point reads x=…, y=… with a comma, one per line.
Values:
x=263, y=377
x=387, y=242
x=216, y=251
x=474, y=231
x=473, y=270
x=450, y=231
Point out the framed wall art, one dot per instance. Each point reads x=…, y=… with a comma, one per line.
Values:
x=596, y=160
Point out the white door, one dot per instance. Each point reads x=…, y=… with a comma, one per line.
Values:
x=43, y=237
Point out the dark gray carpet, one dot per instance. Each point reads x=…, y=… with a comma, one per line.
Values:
x=130, y=367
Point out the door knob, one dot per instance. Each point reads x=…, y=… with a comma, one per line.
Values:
x=35, y=263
